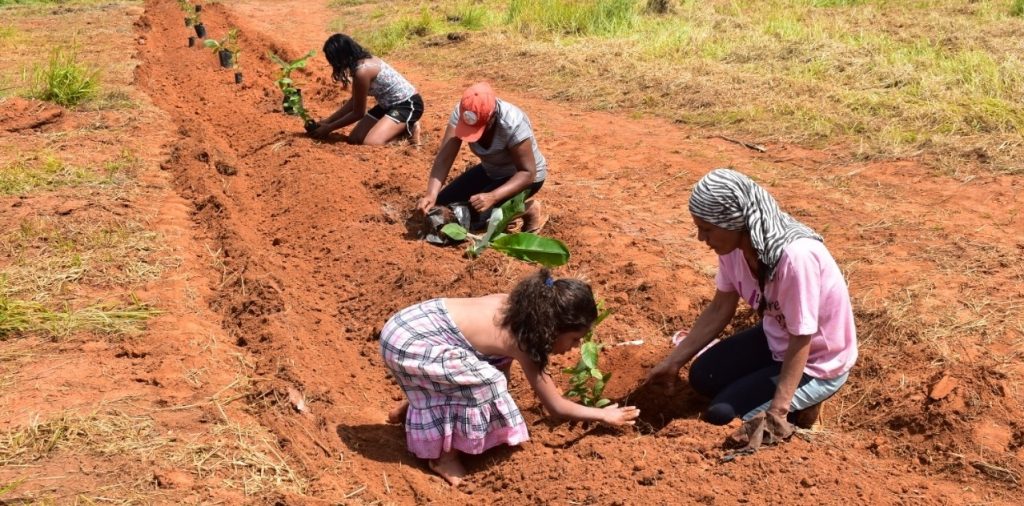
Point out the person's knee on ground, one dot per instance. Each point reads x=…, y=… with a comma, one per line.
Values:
x=719, y=414
x=701, y=378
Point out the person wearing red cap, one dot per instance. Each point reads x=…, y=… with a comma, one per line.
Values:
x=501, y=135
x=369, y=76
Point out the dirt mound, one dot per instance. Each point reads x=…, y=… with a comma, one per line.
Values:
x=18, y=114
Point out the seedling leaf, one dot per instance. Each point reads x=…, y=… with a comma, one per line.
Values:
x=533, y=248
x=602, y=403
x=588, y=354
x=455, y=231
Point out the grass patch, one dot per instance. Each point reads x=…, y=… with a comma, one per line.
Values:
x=245, y=457
x=385, y=39
x=107, y=434
x=572, y=17
x=47, y=257
x=937, y=79
x=65, y=81
x=46, y=172
x=20, y=318
x=1017, y=8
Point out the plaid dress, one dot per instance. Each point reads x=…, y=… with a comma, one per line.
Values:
x=458, y=399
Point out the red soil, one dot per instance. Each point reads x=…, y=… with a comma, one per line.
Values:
x=319, y=252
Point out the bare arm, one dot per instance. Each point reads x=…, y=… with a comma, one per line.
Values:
x=551, y=398
x=526, y=171
x=708, y=326
x=353, y=110
x=446, y=153
x=792, y=370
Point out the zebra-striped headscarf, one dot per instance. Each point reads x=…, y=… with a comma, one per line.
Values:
x=730, y=200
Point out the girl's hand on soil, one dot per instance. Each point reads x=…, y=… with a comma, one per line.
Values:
x=614, y=415
x=482, y=202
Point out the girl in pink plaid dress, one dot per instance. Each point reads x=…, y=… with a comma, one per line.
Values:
x=448, y=355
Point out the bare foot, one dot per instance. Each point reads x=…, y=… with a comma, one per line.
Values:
x=397, y=415
x=449, y=467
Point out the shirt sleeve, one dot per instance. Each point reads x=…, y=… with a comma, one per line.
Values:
x=453, y=119
x=723, y=279
x=798, y=290
x=519, y=131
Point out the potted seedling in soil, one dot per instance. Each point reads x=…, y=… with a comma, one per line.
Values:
x=522, y=245
x=291, y=103
x=197, y=23
x=586, y=379
x=226, y=49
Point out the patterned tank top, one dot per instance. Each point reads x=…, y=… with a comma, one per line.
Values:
x=389, y=87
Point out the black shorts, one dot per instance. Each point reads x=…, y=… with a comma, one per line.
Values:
x=408, y=111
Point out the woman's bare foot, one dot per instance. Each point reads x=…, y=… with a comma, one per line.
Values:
x=397, y=415
x=449, y=467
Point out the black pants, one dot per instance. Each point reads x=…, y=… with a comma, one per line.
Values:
x=738, y=374
x=474, y=181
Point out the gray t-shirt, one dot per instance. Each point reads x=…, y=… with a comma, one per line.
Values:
x=512, y=127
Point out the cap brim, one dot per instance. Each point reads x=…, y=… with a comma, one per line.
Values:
x=469, y=133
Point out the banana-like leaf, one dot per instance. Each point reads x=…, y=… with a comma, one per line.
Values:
x=454, y=231
x=533, y=248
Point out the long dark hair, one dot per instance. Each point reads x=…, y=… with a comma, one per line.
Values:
x=540, y=308
x=343, y=53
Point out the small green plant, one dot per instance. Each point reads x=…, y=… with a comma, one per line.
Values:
x=228, y=44
x=64, y=81
x=522, y=245
x=1017, y=9
x=292, y=102
x=586, y=379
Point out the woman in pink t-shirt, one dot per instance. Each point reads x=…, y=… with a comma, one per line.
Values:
x=801, y=351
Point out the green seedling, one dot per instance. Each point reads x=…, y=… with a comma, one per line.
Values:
x=586, y=379
x=229, y=44
x=524, y=246
x=292, y=102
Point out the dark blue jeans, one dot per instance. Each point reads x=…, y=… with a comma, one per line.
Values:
x=474, y=181
x=738, y=374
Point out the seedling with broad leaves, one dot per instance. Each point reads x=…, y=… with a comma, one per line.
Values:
x=522, y=245
x=227, y=48
x=292, y=102
x=586, y=379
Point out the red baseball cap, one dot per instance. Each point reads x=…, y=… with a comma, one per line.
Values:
x=475, y=110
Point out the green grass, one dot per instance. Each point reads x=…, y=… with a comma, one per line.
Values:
x=26, y=318
x=572, y=17
x=471, y=15
x=65, y=81
x=385, y=39
x=45, y=172
x=1017, y=8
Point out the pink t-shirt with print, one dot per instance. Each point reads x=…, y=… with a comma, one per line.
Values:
x=808, y=296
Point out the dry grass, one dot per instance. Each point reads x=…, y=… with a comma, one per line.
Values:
x=50, y=257
x=244, y=457
x=888, y=79
x=100, y=434
x=25, y=318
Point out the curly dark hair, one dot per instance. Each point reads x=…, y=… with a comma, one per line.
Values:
x=344, y=53
x=540, y=308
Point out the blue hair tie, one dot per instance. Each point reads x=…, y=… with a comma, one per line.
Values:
x=549, y=282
